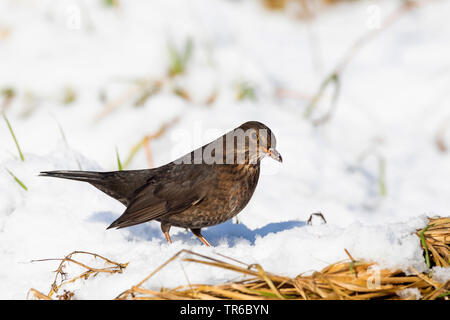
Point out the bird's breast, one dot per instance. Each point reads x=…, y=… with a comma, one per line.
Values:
x=230, y=191
x=234, y=188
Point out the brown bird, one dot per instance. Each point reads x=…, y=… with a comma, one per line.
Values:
x=206, y=187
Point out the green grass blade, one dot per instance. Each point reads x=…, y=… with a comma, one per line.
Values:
x=424, y=245
x=14, y=136
x=179, y=59
x=352, y=268
x=246, y=91
x=331, y=79
x=18, y=180
x=119, y=163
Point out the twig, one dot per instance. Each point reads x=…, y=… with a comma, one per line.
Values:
x=116, y=268
x=145, y=141
x=318, y=214
x=352, y=263
x=39, y=294
x=127, y=95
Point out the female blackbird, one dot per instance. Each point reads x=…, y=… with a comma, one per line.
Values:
x=203, y=188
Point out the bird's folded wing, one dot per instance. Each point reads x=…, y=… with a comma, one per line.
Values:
x=154, y=200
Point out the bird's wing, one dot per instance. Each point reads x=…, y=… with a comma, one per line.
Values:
x=181, y=187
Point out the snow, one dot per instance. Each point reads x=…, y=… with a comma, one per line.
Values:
x=410, y=293
x=440, y=274
x=394, y=98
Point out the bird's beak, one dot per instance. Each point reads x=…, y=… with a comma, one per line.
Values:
x=274, y=154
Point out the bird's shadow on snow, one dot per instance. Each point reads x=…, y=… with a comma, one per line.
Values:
x=231, y=233
x=227, y=232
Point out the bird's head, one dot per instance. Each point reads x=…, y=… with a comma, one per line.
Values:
x=255, y=140
x=247, y=144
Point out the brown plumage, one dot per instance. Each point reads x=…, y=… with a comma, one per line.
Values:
x=205, y=187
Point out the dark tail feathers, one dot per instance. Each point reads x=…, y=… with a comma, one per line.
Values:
x=120, y=185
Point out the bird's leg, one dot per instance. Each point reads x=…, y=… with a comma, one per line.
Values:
x=198, y=233
x=165, y=227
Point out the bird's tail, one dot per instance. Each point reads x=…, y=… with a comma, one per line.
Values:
x=87, y=176
x=117, y=184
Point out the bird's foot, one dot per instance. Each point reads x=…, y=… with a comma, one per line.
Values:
x=165, y=228
x=168, y=237
x=198, y=233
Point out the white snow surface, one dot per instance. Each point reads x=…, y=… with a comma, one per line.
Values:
x=410, y=293
x=394, y=97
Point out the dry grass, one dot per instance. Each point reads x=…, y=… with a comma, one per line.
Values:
x=435, y=239
x=345, y=280
x=61, y=280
